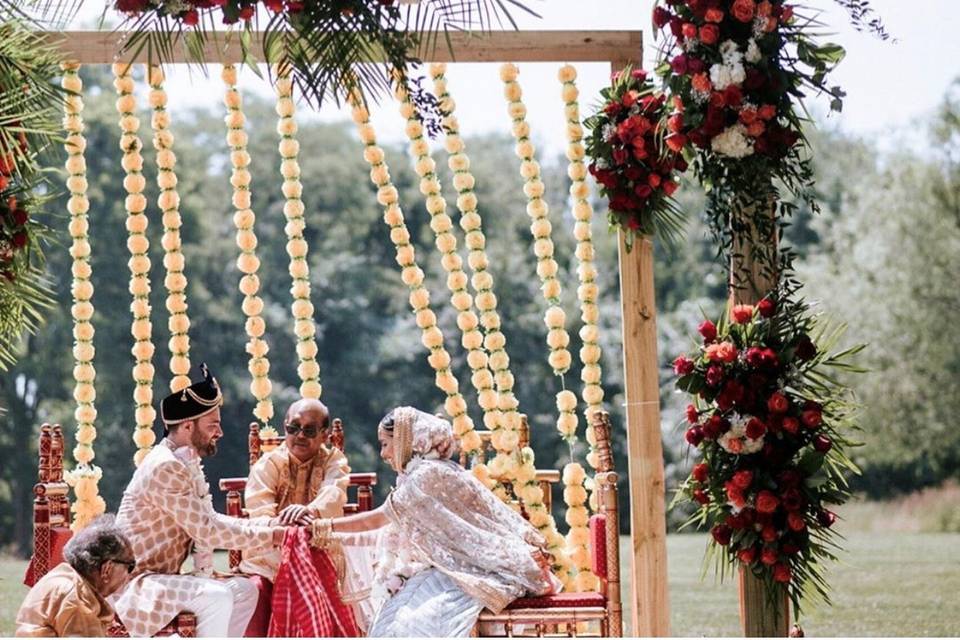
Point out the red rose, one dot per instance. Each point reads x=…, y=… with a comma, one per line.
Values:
x=692, y=415
x=700, y=472
x=19, y=240
x=654, y=180
x=660, y=17
x=769, y=533
x=294, y=6
x=743, y=10
x=778, y=403
x=796, y=522
x=742, y=313
x=629, y=98
x=638, y=74
x=675, y=123
x=679, y=64
x=694, y=436
x=766, y=307
x=792, y=499
x=190, y=18
x=683, y=365
x=811, y=418
x=767, y=502
x=791, y=425
x=709, y=34
x=786, y=14
x=733, y=96
x=781, y=573
x=713, y=427
x=676, y=142
x=714, y=15
x=755, y=428
x=708, y=330
x=790, y=549
x=274, y=5
x=769, y=556
x=670, y=187
x=129, y=6
x=767, y=112
x=643, y=191
x=721, y=352
x=689, y=30
x=613, y=108
x=822, y=443
x=790, y=477
x=742, y=479
x=826, y=518
x=701, y=496
x=721, y=533
x=748, y=555
x=736, y=497
x=620, y=155
x=20, y=217
x=770, y=358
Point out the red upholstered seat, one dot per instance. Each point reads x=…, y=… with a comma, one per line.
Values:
x=59, y=536
x=588, y=599
x=598, y=544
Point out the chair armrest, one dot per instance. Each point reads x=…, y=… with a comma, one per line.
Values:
x=364, y=482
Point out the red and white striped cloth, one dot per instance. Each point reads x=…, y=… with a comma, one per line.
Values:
x=306, y=601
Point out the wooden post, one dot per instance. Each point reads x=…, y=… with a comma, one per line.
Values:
x=650, y=604
x=762, y=613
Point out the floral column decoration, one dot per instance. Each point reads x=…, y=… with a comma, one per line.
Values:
x=85, y=477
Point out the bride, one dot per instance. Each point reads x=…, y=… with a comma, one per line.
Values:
x=447, y=546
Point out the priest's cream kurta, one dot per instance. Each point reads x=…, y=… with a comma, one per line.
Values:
x=164, y=508
x=278, y=480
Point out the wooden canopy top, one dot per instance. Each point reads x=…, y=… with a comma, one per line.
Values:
x=102, y=47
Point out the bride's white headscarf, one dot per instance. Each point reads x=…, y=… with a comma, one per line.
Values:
x=417, y=434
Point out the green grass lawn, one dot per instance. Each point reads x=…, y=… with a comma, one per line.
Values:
x=889, y=584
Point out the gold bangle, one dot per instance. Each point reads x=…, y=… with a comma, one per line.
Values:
x=322, y=533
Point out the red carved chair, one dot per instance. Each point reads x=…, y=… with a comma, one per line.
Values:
x=51, y=528
x=594, y=613
x=361, y=484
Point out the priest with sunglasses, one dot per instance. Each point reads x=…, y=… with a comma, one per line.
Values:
x=302, y=479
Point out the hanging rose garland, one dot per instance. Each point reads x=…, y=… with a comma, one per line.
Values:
x=411, y=274
x=771, y=425
x=505, y=432
x=472, y=338
x=173, y=260
x=308, y=369
x=248, y=263
x=555, y=319
x=86, y=476
x=139, y=264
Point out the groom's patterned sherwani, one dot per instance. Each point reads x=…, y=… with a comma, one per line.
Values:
x=164, y=509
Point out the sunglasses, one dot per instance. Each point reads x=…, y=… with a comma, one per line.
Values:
x=308, y=432
x=129, y=564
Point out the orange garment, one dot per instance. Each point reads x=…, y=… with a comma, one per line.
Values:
x=63, y=603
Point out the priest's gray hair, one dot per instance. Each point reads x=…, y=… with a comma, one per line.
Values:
x=99, y=542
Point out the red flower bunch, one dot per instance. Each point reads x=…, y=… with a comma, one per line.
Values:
x=627, y=157
x=767, y=427
x=14, y=234
x=721, y=60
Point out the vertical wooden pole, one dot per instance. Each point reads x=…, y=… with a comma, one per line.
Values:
x=649, y=597
x=762, y=613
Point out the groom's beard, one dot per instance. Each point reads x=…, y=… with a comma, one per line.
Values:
x=205, y=448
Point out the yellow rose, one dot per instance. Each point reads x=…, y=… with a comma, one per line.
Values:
x=512, y=92
x=426, y=318
x=534, y=189
x=412, y=276
x=297, y=248
x=559, y=361
x=141, y=330
x=255, y=326
x=84, y=352
x=578, y=171
x=593, y=395
x=289, y=169
x=567, y=73
x=432, y=337
x=387, y=194
x=521, y=130
x=569, y=93
x=142, y=351
x=143, y=371
x=82, y=311
x=85, y=415
x=264, y=410
x=551, y=289
x=453, y=143
x=84, y=393
x=487, y=399
x=590, y=374
x=456, y=406
x=260, y=387
x=471, y=441
x=298, y=269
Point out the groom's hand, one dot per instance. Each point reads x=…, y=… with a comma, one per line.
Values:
x=295, y=514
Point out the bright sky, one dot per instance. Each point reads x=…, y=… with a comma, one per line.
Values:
x=888, y=84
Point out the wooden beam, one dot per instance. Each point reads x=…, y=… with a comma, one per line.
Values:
x=103, y=47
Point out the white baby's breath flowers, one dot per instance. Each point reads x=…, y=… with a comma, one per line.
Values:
x=733, y=142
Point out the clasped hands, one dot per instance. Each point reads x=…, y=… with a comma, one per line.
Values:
x=294, y=515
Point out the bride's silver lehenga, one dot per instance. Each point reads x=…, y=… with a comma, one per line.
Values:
x=474, y=551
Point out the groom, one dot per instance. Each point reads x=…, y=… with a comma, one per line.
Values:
x=166, y=509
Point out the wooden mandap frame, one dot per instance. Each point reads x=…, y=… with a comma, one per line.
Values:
x=649, y=600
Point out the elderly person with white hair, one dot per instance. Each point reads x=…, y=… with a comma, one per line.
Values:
x=448, y=547
x=71, y=599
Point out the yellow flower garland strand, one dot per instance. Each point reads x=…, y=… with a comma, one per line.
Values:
x=85, y=477
x=555, y=319
x=411, y=273
x=505, y=432
x=173, y=260
x=139, y=263
x=446, y=242
x=577, y=517
x=248, y=263
x=302, y=308
x=588, y=291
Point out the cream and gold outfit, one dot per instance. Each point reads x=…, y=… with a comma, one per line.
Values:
x=279, y=480
x=63, y=603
